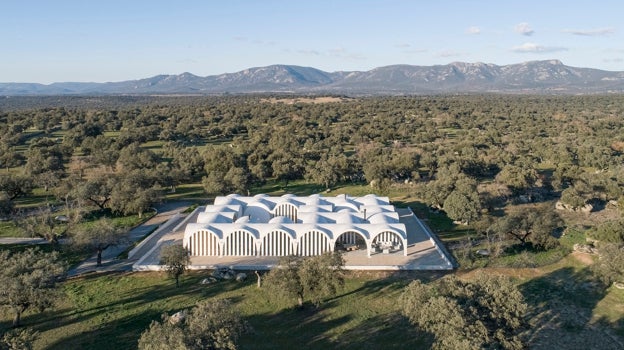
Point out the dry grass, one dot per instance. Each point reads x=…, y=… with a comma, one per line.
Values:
x=313, y=100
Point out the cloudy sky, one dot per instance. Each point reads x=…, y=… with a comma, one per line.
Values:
x=46, y=41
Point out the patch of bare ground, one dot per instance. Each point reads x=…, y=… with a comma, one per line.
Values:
x=313, y=100
x=584, y=258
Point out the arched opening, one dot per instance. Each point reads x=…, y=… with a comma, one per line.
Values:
x=350, y=241
x=286, y=209
x=387, y=242
x=313, y=243
x=239, y=243
x=276, y=243
x=203, y=243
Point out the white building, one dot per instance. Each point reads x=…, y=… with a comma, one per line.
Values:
x=277, y=226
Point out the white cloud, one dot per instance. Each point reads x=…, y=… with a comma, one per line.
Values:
x=449, y=53
x=473, y=30
x=591, y=32
x=402, y=46
x=309, y=52
x=343, y=53
x=536, y=48
x=613, y=60
x=415, y=51
x=524, y=29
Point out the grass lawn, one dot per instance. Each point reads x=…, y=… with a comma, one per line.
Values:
x=110, y=312
x=8, y=229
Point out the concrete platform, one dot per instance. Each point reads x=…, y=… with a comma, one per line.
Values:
x=424, y=252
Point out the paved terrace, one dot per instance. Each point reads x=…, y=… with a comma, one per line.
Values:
x=424, y=252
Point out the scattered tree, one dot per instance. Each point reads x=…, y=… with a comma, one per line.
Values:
x=486, y=313
x=609, y=231
x=314, y=278
x=98, y=237
x=28, y=280
x=175, y=259
x=609, y=267
x=533, y=224
x=46, y=224
x=463, y=207
x=16, y=186
x=211, y=324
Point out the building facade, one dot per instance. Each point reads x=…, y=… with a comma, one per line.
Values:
x=262, y=225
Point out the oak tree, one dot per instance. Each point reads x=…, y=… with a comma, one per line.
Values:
x=29, y=280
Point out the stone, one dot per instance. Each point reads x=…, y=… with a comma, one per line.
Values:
x=208, y=280
x=483, y=252
x=587, y=208
x=178, y=317
x=584, y=248
x=61, y=218
x=241, y=276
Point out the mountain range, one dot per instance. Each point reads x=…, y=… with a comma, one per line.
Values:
x=549, y=77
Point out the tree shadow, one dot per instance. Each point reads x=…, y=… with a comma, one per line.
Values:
x=561, y=304
x=334, y=326
x=105, y=330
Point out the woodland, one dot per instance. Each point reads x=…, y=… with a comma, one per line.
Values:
x=507, y=181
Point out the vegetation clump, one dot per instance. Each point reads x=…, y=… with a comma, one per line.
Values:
x=211, y=324
x=487, y=312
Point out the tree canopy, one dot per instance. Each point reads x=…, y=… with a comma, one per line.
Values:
x=307, y=278
x=29, y=280
x=175, y=259
x=488, y=312
x=211, y=324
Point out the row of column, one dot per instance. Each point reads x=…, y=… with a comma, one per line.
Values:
x=287, y=210
x=275, y=243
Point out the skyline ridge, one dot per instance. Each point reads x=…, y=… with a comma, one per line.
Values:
x=543, y=76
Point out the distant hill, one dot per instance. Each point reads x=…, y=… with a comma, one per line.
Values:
x=549, y=77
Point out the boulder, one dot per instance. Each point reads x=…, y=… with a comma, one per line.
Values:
x=208, y=280
x=483, y=252
x=561, y=206
x=241, y=276
x=223, y=273
x=587, y=208
x=178, y=317
x=584, y=248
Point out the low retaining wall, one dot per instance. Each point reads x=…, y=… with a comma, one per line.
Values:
x=444, y=253
x=151, y=236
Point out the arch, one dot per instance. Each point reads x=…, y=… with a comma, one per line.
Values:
x=239, y=243
x=203, y=243
x=314, y=242
x=286, y=209
x=387, y=236
x=276, y=243
x=389, y=239
x=351, y=238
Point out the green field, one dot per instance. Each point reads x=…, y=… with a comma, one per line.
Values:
x=109, y=311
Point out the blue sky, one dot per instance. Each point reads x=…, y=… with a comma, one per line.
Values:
x=61, y=40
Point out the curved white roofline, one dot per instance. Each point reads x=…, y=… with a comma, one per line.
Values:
x=261, y=214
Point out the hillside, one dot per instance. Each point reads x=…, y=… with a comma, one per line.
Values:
x=538, y=77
